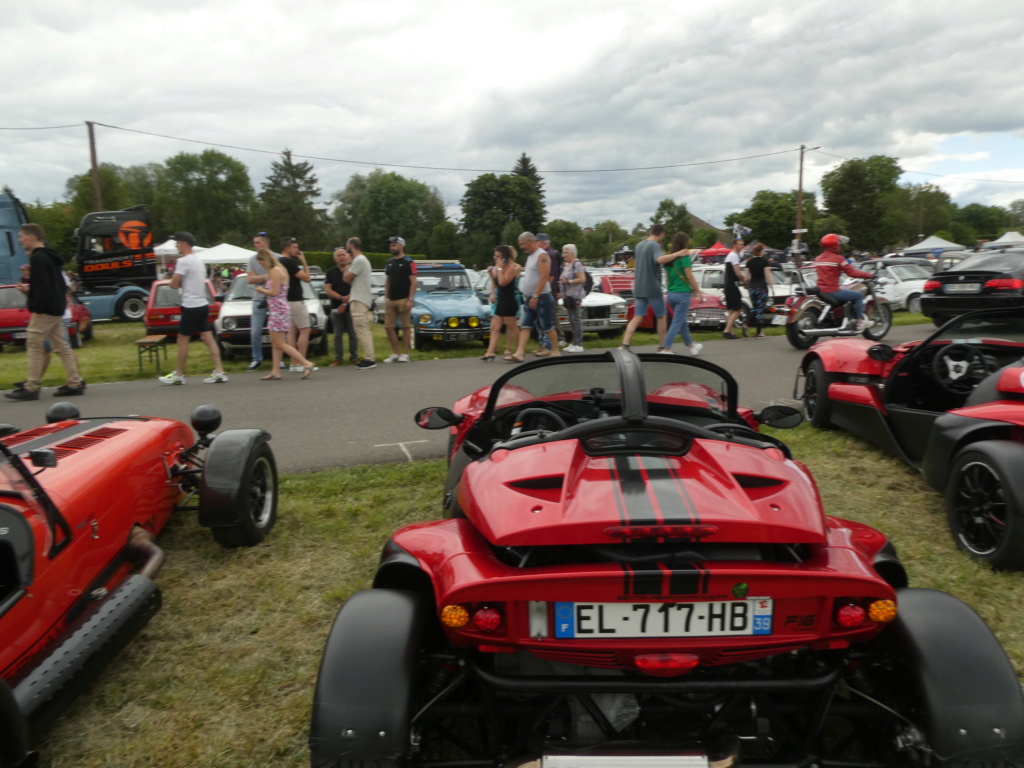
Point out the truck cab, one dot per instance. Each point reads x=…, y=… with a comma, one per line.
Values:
x=116, y=263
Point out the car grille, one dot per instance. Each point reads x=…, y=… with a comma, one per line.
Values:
x=596, y=313
x=708, y=313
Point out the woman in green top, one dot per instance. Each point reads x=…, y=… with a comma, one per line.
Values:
x=682, y=288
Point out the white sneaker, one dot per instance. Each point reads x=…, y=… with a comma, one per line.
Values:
x=295, y=369
x=696, y=348
x=666, y=351
x=216, y=378
x=574, y=348
x=171, y=378
x=564, y=343
x=863, y=324
x=391, y=359
x=403, y=358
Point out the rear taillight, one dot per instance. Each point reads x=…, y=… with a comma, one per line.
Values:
x=660, y=531
x=484, y=617
x=1005, y=284
x=932, y=286
x=851, y=613
x=666, y=664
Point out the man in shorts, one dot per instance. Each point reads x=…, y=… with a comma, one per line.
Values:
x=647, y=286
x=190, y=276
x=399, y=295
x=539, y=306
x=294, y=262
x=731, y=294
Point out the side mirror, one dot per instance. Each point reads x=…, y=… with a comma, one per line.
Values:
x=780, y=417
x=883, y=353
x=437, y=417
x=43, y=458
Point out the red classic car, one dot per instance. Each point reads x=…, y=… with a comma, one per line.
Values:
x=163, y=309
x=952, y=406
x=629, y=574
x=81, y=501
x=14, y=318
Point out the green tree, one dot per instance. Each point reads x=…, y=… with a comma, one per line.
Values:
x=854, y=191
x=115, y=195
x=988, y=221
x=490, y=202
x=289, y=203
x=144, y=185
x=206, y=194
x=771, y=216
x=914, y=211
x=673, y=216
x=524, y=167
x=599, y=243
x=562, y=232
x=380, y=205
x=1016, y=213
x=58, y=221
x=703, y=238
x=443, y=242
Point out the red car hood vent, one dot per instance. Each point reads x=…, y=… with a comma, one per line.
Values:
x=515, y=498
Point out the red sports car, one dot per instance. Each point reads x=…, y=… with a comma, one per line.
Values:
x=629, y=574
x=952, y=406
x=14, y=318
x=81, y=501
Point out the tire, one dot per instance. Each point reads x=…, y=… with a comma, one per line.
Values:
x=983, y=505
x=881, y=314
x=131, y=308
x=88, y=333
x=363, y=704
x=795, y=331
x=914, y=304
x=252, y=502
x=817, y=406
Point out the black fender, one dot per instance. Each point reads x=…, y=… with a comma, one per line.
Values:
x=221, y=491
x=973, y=704
x=14, y=732
x=952, y=432
x=362, y=707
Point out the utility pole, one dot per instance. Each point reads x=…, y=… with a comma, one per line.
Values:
x=799, y=230
x=97, y=195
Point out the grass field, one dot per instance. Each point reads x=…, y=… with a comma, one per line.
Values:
x=224, y=675
x=111, y=355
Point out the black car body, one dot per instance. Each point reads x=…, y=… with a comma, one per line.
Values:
x=981, y=281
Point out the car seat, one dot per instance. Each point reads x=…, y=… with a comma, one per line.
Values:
x=986, y=392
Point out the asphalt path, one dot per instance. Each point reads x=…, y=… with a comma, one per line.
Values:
x=341, y=416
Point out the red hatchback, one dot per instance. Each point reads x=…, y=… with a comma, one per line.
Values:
x=14, y=318
x=163, y=310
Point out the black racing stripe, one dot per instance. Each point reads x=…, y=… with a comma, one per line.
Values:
x=620, y=502
x=689, y=581
x=645, y=582
x=673, y=502
x=633, y=486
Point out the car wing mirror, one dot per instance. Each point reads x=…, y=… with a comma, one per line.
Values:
x=883, y=353
x=43, y=458
x=780, y=417
x=437, y=417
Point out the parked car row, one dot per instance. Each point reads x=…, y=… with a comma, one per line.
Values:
x=14, y=318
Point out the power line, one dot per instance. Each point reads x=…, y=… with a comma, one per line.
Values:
x=42, y=127
x=935, y=175
x=438, y=168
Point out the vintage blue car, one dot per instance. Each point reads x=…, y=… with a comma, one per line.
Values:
x=447, y=307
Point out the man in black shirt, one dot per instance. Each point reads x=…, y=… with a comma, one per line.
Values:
x=399, y=293
x=294, y=262
x=341, y=318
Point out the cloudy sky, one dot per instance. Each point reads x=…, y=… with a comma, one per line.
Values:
x=584, y=88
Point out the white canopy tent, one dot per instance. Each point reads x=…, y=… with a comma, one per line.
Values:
x=934, y=245
x=169, y=249
x=225, y=253
x=1015, y=239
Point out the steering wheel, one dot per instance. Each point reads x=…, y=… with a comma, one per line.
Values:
x=959, y=367
x=536, y=415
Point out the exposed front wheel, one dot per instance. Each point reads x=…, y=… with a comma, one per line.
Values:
x=239, y=494
x=131, y=308
x=817, y=406
x=983, y=505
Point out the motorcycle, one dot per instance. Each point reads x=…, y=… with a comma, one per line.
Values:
x=812, y=315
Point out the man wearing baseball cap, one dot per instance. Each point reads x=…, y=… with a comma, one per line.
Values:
x=399, y=294
x=190, y=276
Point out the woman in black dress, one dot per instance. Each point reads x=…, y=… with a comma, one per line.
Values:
x=760, y=278
x=504, y=277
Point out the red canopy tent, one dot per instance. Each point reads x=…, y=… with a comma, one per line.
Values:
x=713, y=253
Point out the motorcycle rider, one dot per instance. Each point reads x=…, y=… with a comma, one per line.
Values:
x=828, y=266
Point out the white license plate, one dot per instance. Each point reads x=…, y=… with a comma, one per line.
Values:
x=176, y=318
x=963, y=287
x=752, y=616
x=779, y=320
x=20, y=335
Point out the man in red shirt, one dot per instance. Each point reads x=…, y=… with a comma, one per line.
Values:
x=828, y=266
